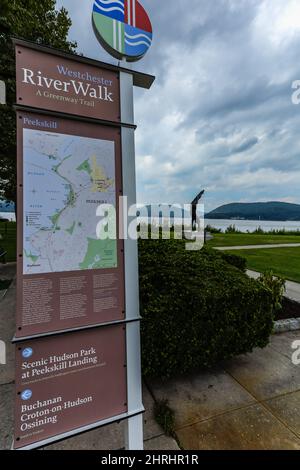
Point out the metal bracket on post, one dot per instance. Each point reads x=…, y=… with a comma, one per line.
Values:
x=134, y=426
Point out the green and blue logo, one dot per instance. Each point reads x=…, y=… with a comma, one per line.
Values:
x=27, y=353
x=123, y=28
x=26, y=395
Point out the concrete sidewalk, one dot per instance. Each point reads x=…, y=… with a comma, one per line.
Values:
x=292, y=288
x=251, y=402
x=255, y=247
x=108, y=438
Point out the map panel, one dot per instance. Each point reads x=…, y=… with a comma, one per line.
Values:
x=66, y=178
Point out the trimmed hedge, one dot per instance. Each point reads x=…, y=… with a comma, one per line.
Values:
x=197, y=309
x=235, y=260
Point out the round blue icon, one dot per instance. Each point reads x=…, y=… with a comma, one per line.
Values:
x=26, y=395
x=27, y=352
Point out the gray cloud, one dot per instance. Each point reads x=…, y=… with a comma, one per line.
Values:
x=246, y=145
x=219, y=114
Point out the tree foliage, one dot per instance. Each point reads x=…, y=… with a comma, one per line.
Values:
x=36, y=21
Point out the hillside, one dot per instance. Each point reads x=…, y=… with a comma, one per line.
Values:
x=281, y=211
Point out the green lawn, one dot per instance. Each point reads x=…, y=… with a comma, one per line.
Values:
x=244, y=239
x=8, y=239
x=283, y=262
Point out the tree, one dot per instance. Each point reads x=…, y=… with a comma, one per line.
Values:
x=36, y=21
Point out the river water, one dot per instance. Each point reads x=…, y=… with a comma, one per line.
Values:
x=242, y=225
x=8, y=215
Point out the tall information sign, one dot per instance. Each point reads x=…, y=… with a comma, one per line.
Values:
x=77, y=323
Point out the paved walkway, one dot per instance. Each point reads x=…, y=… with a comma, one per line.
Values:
x=255, y=247
x=108, y=438
x=292, y=288
x=251, y=402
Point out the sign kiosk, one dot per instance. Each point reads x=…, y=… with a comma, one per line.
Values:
x=77, y=323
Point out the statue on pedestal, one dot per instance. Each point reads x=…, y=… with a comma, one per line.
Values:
x=194, y=205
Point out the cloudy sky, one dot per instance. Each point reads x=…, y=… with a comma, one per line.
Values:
x=220, y=114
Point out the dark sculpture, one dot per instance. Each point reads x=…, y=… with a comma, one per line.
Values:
x=194, y=205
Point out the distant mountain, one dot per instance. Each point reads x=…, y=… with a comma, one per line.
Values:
x=6, y=206
x=277, y=211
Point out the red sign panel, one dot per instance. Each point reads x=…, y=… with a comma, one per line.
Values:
x=70, y=261
x=67, y=382
x=64, y=85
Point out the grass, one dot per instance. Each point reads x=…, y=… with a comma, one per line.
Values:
x=165, y=417
x=8, y=239
x=284, y=262
x=244, y=239
x=4, y=284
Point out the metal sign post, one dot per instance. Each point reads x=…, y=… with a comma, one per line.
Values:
x=134, y=431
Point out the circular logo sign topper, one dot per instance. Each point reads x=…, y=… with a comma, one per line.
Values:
x=123, y=28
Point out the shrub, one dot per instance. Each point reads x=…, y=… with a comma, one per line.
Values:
x=165, y=417
x=232, y=229
x=235, y=260
x=197, y=309
x=211, y=229
x=259, y=231
x=276, y=285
